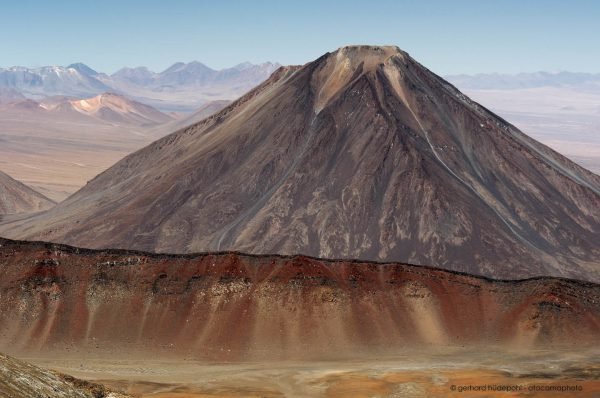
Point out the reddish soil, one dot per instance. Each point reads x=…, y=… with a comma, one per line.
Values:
x=231, y=306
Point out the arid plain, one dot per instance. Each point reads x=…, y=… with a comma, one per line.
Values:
x=418, y=374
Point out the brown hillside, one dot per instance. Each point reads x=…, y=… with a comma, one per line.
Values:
x=234, y=306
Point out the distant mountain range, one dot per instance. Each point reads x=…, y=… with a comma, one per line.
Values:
x=185, y=87
x=193, y=74
x=498, y=81
x=51, y=80
x=108, y=108
x=181, y=87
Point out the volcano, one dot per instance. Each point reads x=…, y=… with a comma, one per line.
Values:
x=363, y=153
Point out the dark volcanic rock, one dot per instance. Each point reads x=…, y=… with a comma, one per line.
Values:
x=124, y=304
x=363, y=153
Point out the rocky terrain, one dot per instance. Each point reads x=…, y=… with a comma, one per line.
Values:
x=362, y=153
x=19, y=379
x=16, y=197
x=66, y=302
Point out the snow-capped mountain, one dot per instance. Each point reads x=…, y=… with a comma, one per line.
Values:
x=52, y=80
x=182, y=86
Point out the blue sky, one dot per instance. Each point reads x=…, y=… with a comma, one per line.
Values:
x=449, y=37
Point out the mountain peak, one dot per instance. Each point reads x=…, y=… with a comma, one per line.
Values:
x=243, y=65
x=371, y=56
x=346, y=63
x=371, y=50
x=83, y=69
x=182, y=66
x=109, y=94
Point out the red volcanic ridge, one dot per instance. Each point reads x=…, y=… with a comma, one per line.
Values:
x=361, y=153
x=239, y=306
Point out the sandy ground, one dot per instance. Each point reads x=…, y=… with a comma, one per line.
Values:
x=411, y=375
x=57, y=157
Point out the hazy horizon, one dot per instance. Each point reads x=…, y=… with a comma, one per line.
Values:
x=65, y=65
x=463, y=37
x=6, y=67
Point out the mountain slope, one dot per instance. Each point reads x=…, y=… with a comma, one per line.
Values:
x=232, y=306
x=83, y=69
x=497, y=81
x=115, y=108
x=19, y=379
x=139, y=76
x=187, y=120
x=561, y=110
x=363, y=153
x=16, y=197
x=200, y=114
x=106, y=108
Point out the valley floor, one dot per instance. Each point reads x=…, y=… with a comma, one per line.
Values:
x=452, y=374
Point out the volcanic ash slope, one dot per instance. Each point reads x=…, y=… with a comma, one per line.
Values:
x=362, y=153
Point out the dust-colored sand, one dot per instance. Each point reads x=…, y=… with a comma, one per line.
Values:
x=57, y=157
x=415, y=375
